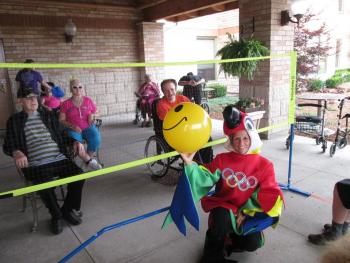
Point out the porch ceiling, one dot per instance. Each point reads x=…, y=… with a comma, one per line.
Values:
x=152, y=10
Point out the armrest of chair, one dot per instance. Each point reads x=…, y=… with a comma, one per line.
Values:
x=98, y=123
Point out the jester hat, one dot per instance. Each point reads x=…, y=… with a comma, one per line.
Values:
x=234, y=121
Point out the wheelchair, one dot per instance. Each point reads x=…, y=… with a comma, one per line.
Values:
x=140, y=115
x=157, y=145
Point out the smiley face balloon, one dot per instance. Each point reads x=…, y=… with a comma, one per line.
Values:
x=187, y=127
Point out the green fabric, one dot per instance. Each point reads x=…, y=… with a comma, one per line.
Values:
x=201, y=180
x=168, y=220
x=252, y=204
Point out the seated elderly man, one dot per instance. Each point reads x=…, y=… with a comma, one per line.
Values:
x=34, y=141
x=172, y=99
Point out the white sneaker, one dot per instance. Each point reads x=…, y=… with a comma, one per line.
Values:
x=80, y=163
x=93, y=165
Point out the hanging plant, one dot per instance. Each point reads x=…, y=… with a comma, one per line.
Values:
x=244, y=48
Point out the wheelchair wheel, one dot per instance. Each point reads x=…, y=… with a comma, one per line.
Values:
x=155, y=146
x=324, y=146
x=205, y=106
x=332, y=150
x=318, y=140
x=342, y=143
x=288, y=142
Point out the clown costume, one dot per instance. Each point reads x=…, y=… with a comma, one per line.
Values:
x=246, y=199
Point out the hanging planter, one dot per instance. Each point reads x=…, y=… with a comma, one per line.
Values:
x=244, y=48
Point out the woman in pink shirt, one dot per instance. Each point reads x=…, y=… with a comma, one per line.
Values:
x=147, y=93
x=51, y=100
x=77, y=114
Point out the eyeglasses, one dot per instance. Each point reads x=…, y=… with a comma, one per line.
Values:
x=77, y=87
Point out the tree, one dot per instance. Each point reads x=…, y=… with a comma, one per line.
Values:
x=312, y=45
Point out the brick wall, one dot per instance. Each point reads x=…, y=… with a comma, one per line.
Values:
x=103, y=35
x=271, y=81
x=151, y=47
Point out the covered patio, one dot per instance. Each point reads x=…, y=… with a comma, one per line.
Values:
x=126, y=31
x=116, y=197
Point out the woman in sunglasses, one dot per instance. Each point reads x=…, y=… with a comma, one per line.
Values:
x=77, y=115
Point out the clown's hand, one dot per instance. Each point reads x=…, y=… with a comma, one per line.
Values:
x=187, y=157
x=239, y=219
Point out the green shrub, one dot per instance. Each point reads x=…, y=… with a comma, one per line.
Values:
x=341, y=72
x=220, y=90
x=344, y=74
x=333, y=82
x=346, y=78
x=316, y=85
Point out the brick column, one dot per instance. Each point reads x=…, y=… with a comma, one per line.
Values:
x=271, y=80
x=151, y=48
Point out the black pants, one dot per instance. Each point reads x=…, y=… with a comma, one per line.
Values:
x=48, y=172
x=205, y=155
x=193, y=92
x=137, y=109
x=220, y=227
x=343, y=188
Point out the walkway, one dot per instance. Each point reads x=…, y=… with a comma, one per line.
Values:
x=116, y=197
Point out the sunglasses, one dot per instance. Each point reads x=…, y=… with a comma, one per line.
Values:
x=77, y=87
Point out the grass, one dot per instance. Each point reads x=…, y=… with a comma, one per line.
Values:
x=218, y=104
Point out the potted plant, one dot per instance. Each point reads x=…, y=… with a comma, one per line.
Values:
x=243, y=48
x=249, y=104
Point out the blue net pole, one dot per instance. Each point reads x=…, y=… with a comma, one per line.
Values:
x=109, y=228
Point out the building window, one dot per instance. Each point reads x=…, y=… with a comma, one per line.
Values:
x=349, y=51
x=340, y=6
x=206, y=51
x=322, y=65
x=337, y=53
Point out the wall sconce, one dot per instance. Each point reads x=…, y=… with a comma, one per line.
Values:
x=298, y=10
x=285, y=18
x=70, y=30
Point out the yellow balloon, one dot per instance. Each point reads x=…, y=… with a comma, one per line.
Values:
x=187, y=127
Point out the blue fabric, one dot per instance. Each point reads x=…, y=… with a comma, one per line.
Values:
x=57, y=92
x=258, y=223
x=183, y=205
x=90, y=134
x=30, y=78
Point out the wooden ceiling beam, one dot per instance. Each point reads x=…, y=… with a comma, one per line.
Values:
x=219, y=8
x=169, y=9
x=203, y=12
x=142, y=4
x=39, y=3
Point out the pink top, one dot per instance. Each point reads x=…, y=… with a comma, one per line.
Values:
x=149, y=89
x=51, y=102
x=79, y=116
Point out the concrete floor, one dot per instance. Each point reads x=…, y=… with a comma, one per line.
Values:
x=112, y=198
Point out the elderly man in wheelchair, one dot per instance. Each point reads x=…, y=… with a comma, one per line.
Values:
x=156, y=144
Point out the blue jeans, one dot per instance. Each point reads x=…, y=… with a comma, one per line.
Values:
x=90, y=134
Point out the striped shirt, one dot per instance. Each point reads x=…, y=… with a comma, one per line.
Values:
x=42, y=149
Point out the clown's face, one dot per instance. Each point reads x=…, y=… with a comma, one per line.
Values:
x=240, y=141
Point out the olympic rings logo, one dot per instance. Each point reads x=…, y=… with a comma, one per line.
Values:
x=238, y=179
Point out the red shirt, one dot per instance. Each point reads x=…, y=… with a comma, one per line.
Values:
x=256, y=169
x=164, y=105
